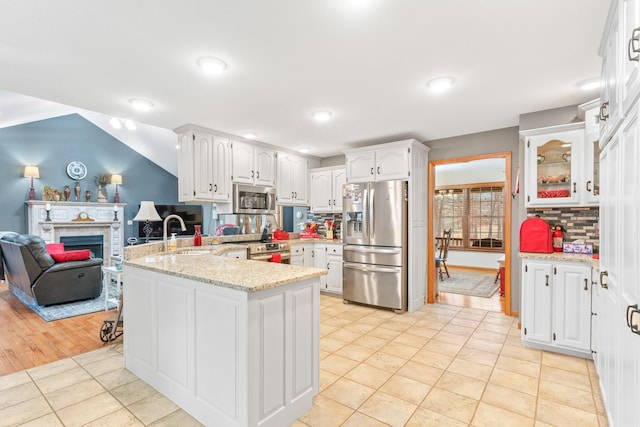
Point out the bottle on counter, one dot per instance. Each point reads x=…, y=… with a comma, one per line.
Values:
x=173, y=243
x=197, y=238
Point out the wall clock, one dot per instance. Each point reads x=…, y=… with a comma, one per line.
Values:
x=76, y=170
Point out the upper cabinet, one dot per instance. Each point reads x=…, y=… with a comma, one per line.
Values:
x=204, y=166
x=384, y=162
x=292, y=180
x=561, y=169
x=325, y=194
x=620, y=52
x=253, y=164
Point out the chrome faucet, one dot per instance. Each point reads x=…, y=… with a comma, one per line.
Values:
x=164, y=228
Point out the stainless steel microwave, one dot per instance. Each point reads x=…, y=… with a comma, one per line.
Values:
x=252, y=199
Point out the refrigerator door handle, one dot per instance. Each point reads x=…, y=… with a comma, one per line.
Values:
x=371, y=250
x=375, y=269
x=372, y=196
x=365, y=213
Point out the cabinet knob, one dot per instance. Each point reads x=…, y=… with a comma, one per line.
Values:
x=632, y=47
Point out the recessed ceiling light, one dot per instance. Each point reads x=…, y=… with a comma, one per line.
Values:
x=304, y=150
x=141, y=104
x=322, y=116
x=441, y=84
x=250, y=135
x=589, y=84
x=213, y=66
x=115, y=123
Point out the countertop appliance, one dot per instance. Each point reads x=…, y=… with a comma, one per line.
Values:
x=375, y=237
x=254, y=199
x=265, y=251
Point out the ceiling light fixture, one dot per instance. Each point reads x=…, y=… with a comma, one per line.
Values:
x=441, y=84
x=117, y=123
x=141, y=104
x=250, y=135
x=322, y=116
x=213, y=66
x=589, y=84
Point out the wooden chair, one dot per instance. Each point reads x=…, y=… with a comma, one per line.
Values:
x=441, y=259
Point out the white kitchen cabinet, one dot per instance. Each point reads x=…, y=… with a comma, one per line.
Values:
x=334, y=265
x=320, y=261
x=629, y=37
x=292, y=180
x=325, y=193
x=308, y=254
x=297, y=255
x=561, y=167
x=591, y=171
x=556, y=307
x=204, y=166
x=609, y=81
x=253, y=164
x=382, y=162
x=329, y=257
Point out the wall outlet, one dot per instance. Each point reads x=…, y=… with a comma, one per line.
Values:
x=130, y=222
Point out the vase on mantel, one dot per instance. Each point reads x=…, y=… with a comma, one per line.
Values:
x=102, y=198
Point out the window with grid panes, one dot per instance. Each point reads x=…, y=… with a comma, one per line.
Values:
x=475, y=213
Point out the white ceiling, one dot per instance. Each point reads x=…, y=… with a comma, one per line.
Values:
x=365, y=60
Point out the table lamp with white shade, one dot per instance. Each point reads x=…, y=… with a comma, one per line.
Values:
x=32, y=172
x=117, y=180
x=147, y=213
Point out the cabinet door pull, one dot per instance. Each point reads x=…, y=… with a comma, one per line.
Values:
x=632, y=48
x=210, y=187
x=251, y=174
x=605, y=106
x=378, y=170
x=630, y=312
x=329, y=202
x=258, y=174
x=371, y=171
x=327, y=266
x=546, y=283
x=215, y=188
x=574, y=187
x=295, y=194
x=589, y=185
x=334, y=202
x=602, y=275
x=586, y=288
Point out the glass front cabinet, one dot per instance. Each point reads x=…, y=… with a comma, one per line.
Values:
x=561, y=167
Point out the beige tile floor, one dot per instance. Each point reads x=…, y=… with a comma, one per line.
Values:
x=441, y=366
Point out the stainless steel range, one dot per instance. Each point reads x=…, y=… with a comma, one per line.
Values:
x=265, y=251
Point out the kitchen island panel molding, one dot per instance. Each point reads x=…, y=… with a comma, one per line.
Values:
x=249, y=358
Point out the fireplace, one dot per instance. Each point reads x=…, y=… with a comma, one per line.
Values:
x=92, y=242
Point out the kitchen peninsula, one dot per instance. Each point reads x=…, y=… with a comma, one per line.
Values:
x=233, y=342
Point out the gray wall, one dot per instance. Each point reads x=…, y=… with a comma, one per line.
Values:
x=51, y=144
x=553, y=117
x=495, y=141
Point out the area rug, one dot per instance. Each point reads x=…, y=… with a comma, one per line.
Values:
x=469, y=283
x=62, y=311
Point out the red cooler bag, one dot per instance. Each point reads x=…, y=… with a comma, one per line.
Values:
x=535, y=236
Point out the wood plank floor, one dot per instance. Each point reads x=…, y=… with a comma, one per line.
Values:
x=27, y=341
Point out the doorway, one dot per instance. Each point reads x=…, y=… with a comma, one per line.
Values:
x=470, y=161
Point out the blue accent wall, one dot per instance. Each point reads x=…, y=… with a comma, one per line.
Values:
x=51, y=144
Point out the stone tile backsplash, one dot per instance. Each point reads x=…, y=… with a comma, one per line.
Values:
x=577, y=223
x=321, y=218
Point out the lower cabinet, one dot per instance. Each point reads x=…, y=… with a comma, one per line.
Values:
x=329, y=256
x=556, y=307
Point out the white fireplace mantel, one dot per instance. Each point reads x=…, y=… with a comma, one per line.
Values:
x=102, y=221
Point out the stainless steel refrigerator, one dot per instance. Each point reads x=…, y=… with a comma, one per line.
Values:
x=375, y=235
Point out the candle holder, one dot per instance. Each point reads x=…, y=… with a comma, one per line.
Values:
x=48, y=218
x=115, y=213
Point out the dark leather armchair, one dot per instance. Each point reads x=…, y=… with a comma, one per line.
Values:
x=28, y=266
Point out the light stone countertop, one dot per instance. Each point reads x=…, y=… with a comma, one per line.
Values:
x=562, y=257
x=204, y=264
